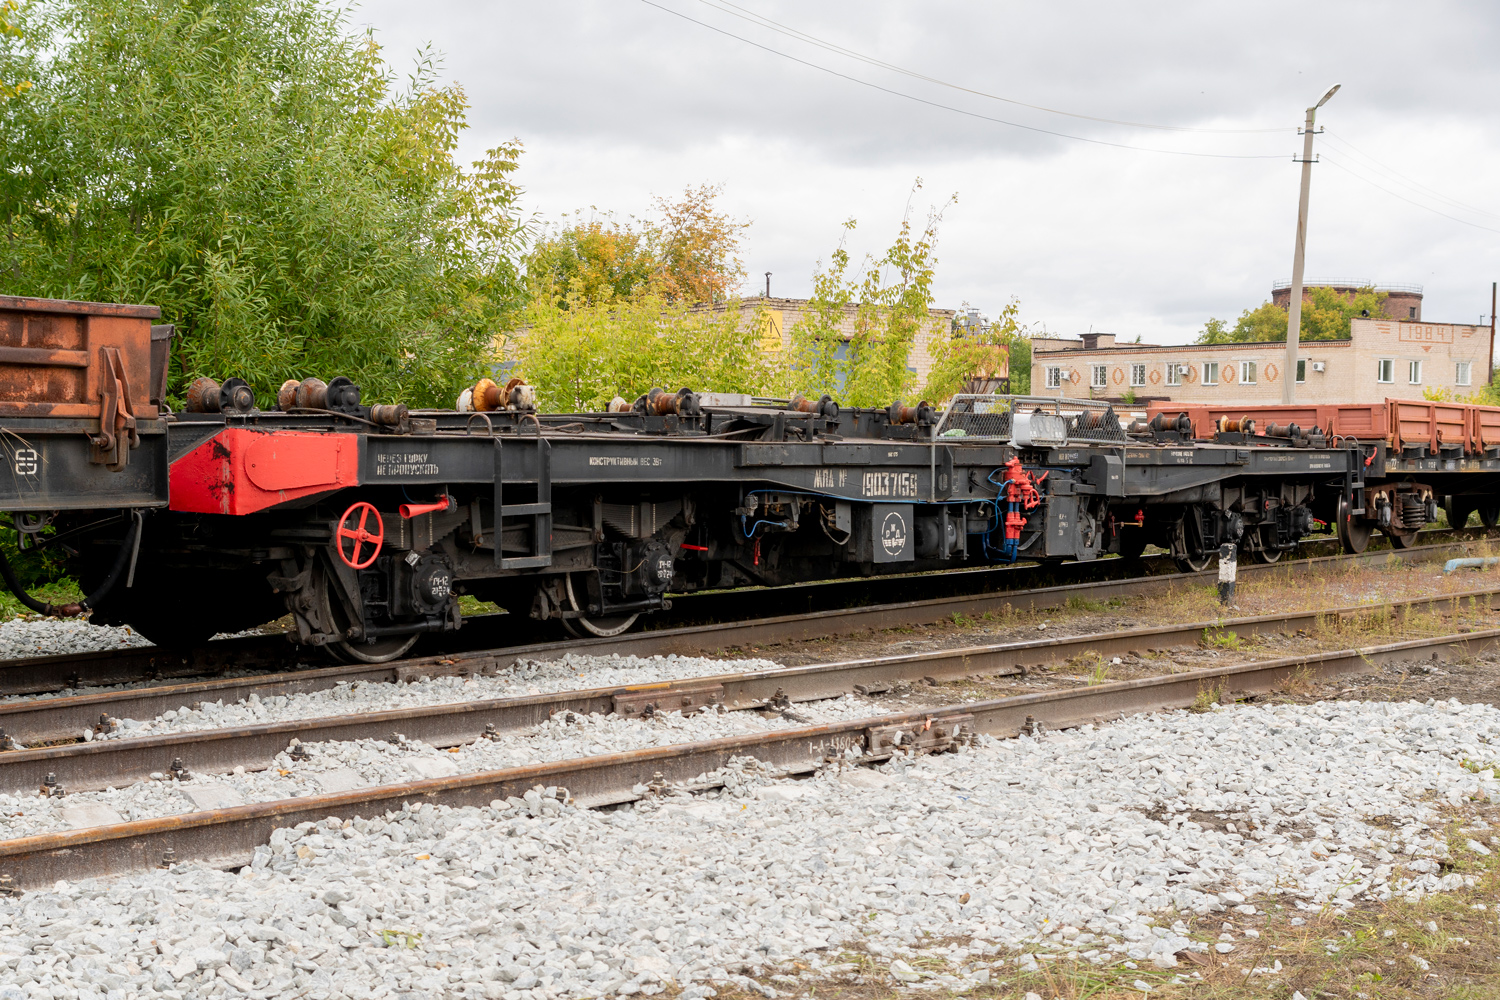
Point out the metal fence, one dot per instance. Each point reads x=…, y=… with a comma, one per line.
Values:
x=990, y=417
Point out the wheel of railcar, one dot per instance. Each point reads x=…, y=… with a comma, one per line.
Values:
x=587, y=626
x=1489, y=514
x=1457, y=510
x=1353, y=535
x=1262, y=554
x=1195, y=564
x=1253, y=546
x=382, y=650
x=1401, y=539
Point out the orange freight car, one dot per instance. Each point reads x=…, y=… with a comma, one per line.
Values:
x=1412, y=427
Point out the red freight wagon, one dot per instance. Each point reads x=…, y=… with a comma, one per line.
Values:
x=1407, y=426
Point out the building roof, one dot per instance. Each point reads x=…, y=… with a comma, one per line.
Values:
x=1237, y=345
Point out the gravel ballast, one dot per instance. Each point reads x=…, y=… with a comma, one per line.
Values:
x=27, y=637
x=339, y=766
x=570, y=673
x=1090, y=842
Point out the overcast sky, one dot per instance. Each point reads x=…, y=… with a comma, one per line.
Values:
x=620, y=100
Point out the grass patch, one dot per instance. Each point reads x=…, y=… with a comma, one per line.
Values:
x=1209, y=695
x=65, y=591
x=1218, y=638
x=469, y=605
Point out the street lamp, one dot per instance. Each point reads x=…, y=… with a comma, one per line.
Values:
x=1294, y=306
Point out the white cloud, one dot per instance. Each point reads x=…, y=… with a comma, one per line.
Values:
x=617, y=100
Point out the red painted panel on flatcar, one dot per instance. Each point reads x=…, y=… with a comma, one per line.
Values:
x=242, y=470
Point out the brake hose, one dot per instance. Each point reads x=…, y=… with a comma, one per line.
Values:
x=127, y=548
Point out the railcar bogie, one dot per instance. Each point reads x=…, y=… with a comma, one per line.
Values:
x=363, y=525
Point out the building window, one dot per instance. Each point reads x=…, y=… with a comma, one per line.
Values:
x=1137, y=375
x=1411, y=312
x=1174, y=373
x=1247, y=372
x=1302, y=370
x=1210, y=373
x=1463, y=373
x=1414, y=372
x=1054, y=378
x=1099, y=378
x=1385, y=370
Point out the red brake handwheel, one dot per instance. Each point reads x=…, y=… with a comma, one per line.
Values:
x=360, y=536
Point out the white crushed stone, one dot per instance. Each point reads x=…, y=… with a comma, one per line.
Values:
x=27, y=637
x=1008, y=844
x=336, y=766
x=571, y=672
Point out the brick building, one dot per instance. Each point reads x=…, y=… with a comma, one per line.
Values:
x=1382, y=358
x=1401, y=301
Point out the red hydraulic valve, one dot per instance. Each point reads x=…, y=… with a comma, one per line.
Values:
x=411, y=510
x=1021, y=495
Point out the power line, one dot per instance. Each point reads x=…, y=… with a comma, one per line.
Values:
x=744, y=13
x=949, y=107
x=1407, y=182
x=1393, y=194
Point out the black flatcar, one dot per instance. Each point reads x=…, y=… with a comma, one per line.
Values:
x=365, y=523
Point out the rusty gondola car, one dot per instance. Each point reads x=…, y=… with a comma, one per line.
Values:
x=365, y=523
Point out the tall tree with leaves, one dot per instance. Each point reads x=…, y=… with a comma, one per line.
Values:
x=1327, y=314
x=991, y=353
x=687, y=251
x=861, y=359
x=252, y=167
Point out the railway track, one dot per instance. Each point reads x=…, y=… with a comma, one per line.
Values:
x=34, y=720
x=101, y=763
x=227, y=836
x=271, y=653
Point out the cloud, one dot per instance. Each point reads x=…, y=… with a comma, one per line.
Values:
x=619, y=100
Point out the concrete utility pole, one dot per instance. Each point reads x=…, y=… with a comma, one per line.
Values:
x=1489, y=376
x=1294, y=306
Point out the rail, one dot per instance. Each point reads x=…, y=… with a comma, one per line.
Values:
x=95, y=765
x=228, y=837
x=33, y=720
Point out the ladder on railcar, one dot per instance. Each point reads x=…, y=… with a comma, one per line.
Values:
x=538, y=512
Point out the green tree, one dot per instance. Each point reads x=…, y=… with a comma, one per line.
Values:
x=688, y=252
x=1020, y=363
x=1326, y=315
x=582, y=354
x=1266, y=322
x=8, y=27
x=864, y=362
x=985, y=354
x=252, y=167
x=591, y=261
x=699, y=247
